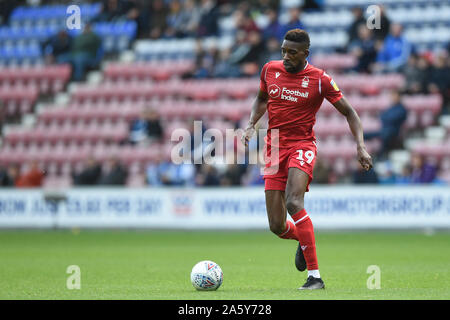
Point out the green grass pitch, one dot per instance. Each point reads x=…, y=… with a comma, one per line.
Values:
x=256, y=265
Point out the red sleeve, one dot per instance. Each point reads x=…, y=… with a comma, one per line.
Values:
x=329, y=89
x=262, y=82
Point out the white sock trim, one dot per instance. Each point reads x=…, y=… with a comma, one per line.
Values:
x=289, y=228
x=314, y=273
x=301, y=219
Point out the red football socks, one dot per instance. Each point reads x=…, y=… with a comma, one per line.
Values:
x=305, y=235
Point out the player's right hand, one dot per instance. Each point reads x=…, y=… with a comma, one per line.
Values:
x=364, y=159
x=248, y=133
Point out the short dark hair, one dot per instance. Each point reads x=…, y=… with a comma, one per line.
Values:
x=297, y=35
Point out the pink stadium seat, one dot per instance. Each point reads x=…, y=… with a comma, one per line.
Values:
x=147, y=71
x=437, y=151
x=420, y=103
x=44, y=78
x=332, y=151
x=334, y=61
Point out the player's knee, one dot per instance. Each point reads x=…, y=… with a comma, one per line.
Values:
x=294, y=204
x=277, y=227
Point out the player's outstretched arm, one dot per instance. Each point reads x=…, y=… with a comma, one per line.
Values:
x=259, y=107
x=344, y=107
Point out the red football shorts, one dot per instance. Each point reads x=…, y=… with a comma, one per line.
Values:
x=302, y=156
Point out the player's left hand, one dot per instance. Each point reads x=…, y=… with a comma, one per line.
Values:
x=248, y=133
x=364, y=158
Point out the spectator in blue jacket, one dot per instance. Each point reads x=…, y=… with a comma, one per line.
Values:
x=363, y=49
x=57, y=46
x=274, y=28
x=360, y=176
x=294, y=21
x=392, y=120
x=394, y=52
x=422, y=171
x=147, y=128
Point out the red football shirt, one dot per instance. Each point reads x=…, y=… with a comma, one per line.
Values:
x=294, y=100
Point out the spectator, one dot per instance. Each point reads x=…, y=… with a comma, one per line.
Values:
x=440, y=77
x=191, y=19
x=313, y=5
x=421, y=171
x=240, y=48
x=135, y=10
x=273, y=28
x=209, y=16
x=114, y=173
x=223, y=68
x=360, y=176
x=90, y=174
x=154, y=171
x=158, y=19
x=57, y=46
x=7, y=176
x=386, y=174
x=248, y=54
x=174, y=20
x=32, y=178
x=177, y=174
x=244, y=22
x=251, y=62
x=154, y=128
x=84, y=53
x=14, y=173
x=272, y=51
x=424, y=66
x=147, y=128
x=321, y=172
x=207, y=176
x=293, y=22
x=405, y=176
x=414, y=77
x=6, y=8
x=358, y=20
x=112, y=10
x=385, y=25
x=199, y=53
x=255, y=5
x=392, y=120
x=233, y=174
x=253, y=175
x=205, y=62
x=363, y=49
x=208, y=61
x=2, y=117
x=183, y=21
x=394, y=52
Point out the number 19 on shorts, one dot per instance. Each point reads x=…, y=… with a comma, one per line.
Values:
x=309, y=155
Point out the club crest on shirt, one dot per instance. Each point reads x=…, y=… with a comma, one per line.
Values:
x=277, y=74
x=305, y=82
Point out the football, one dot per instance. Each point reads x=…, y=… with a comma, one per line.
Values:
x=206, y=276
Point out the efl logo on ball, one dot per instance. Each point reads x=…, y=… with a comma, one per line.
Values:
x=206, y=276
